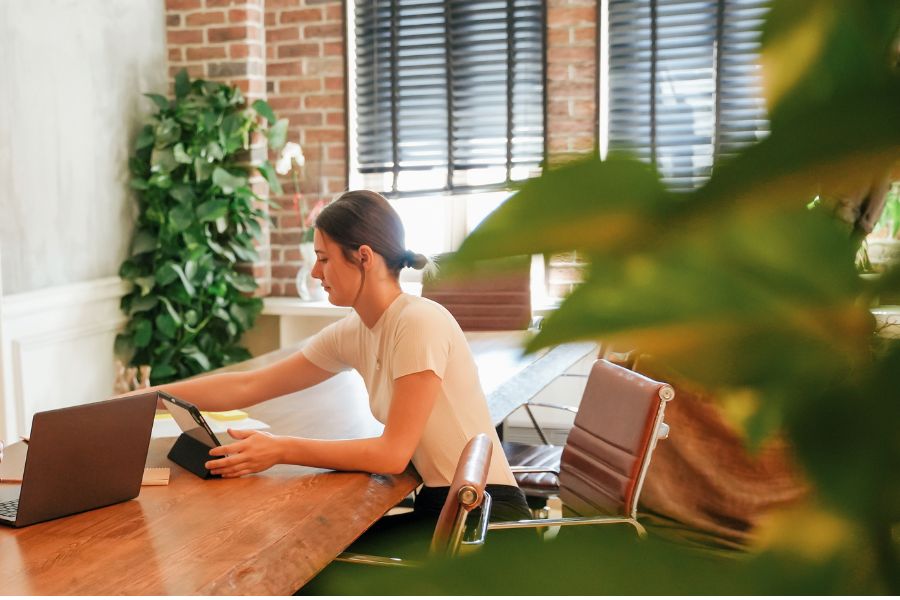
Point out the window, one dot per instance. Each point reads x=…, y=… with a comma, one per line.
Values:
x=683, y=82
x=449, y=94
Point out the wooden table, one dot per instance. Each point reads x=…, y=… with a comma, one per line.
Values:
x=264, y=534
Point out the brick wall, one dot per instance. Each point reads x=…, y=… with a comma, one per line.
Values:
x=306, y=84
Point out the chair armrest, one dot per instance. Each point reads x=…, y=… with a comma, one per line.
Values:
x=570, y=409
x=566, y=521
x=481, y=532
x=527, y=469
x=378, y=561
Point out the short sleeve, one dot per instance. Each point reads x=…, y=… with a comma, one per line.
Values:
x=422, y=342
x=328, y=348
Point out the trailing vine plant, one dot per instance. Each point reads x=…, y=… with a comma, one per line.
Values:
x=198, y=219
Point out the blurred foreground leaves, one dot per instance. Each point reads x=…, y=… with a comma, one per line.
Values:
x=741, y=288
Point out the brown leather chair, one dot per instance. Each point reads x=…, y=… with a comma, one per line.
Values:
x=602, y=467
x=466, y=494
x=497, y=297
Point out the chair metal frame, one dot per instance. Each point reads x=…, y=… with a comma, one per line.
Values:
x=660, y=431
x=468, y=500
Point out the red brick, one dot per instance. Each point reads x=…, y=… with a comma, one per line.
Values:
x=586, y=35
x=282, y=34
x=299, y=85
x=194, y=71
x=324, y=66
x=284, y=69
x=270, y=4
x=333, y=49
x=307, y=15
x=571, y=16
x=570, y=54
x=336, y=118
x=559, y=37
x=232, y=34
x=571, y=89
x=206, y=52
x=304, y=119
x=175, y=55
x=240, y=50
x=284, y=238
x=314, y=136
x=251, y=15
x=282, y=103
x=290, y=255
x=191, y=36
x=205, y=18
x=334, y=83
x=323, y=31
x=183, y=4
x=271, y=19
x=173, y=20
x=324, y=101
x=292, y=50
x=337, y=152
x=334, y=12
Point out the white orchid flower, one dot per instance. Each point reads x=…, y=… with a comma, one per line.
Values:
x=290, y=153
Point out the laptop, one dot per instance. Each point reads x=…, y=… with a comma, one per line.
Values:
x=80, y=458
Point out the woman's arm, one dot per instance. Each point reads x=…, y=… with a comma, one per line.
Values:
x=227, y=391
x=411, y=405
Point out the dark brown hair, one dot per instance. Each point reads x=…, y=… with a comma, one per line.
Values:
x=362, y=217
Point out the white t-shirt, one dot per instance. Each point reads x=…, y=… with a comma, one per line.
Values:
x=413, y=335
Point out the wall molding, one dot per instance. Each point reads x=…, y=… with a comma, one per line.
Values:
x=57, y=348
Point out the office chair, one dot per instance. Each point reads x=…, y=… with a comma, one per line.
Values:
x=604, y=462
x=495, y=298
x=466, y=494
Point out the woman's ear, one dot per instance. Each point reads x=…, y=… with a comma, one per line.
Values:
x=366, y=255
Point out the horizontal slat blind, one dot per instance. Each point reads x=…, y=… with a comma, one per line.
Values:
x=684, y=82
x=446, y=88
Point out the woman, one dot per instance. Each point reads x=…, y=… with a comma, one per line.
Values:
x=419, y=372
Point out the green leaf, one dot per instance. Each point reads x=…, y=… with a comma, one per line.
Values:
x=141, y=332
x=268, y=172
x=166, y=274
x=241, y=316
x=146, y=284
x=138, y=183
x=182, y=84
x=227, y=181
x=277, y=134
x=123, y=346
x=262, y=107
x=212, y=210
x=214, y=151
x=202, y=169
x=162, y=372
x=144, y=241
x=181, y=217
x=166, y=326
x=167, y=132
x=163, y=160
x=182, y=193
x=145, y=138
x=143, y=304
x=160, y=101
x=244, y=283
x=188, y=287
x=180, y=155
x=196, y=355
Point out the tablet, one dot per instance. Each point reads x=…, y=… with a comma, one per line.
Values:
x=190, y=420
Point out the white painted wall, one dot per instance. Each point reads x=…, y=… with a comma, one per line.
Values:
x=72, y=75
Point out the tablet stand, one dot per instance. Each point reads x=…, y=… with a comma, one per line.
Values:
x=191, y=454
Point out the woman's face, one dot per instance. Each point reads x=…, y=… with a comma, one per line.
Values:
x=340, y=277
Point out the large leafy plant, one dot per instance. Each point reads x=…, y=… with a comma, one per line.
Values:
x=740, y=287
x=199, y=217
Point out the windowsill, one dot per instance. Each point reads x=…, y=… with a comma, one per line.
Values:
x=293, y=306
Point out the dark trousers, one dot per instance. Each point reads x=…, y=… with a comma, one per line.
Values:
x=408, y=535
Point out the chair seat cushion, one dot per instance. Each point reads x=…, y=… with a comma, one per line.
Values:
x=536, y=456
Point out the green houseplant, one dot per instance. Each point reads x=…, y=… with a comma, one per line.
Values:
x=198, y=218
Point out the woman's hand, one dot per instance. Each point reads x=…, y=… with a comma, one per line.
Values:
x=254, y=451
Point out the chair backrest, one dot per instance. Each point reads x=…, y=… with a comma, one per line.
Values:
x=498, y=300
x=608, y=451
x=465, y=495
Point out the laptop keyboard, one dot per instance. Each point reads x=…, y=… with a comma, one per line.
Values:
x=9, y=509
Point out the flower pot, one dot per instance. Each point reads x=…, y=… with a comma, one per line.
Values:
x=308, y=288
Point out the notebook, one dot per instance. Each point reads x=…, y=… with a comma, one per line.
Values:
x=79, y=458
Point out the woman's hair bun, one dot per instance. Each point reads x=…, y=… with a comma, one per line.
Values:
x=414, y=260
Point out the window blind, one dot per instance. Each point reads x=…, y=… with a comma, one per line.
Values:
x=450, y=93
x=684, y=82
